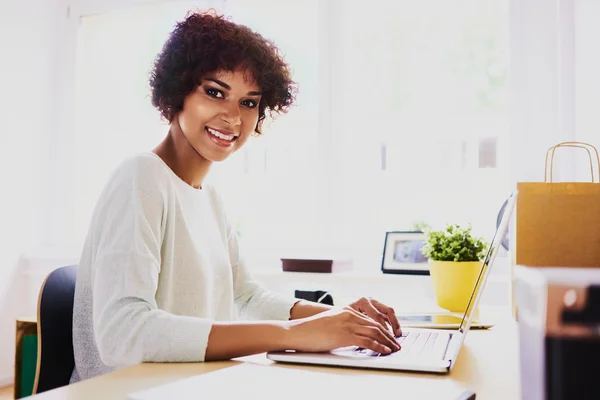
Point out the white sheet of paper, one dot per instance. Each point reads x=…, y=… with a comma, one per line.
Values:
x=252, y=381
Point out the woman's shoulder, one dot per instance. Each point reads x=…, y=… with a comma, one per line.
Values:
x=139, y=179
x=145, y=171
x=142, y=166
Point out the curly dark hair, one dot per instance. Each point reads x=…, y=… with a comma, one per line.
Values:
x=206, y=42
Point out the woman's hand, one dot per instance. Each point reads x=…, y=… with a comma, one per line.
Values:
x=379, y=312
x=341, y=328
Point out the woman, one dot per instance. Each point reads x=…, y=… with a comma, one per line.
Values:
x=161, y=275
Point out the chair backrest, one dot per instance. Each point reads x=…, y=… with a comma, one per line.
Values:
x=55, y=360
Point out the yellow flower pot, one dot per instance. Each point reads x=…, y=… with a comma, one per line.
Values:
x=453, y=282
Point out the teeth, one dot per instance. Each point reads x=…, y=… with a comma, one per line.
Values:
x=220, y=135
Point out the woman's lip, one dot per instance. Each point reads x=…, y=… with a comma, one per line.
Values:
x=219, y=141
x=224, y=132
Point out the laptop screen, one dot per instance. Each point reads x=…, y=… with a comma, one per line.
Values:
x=487, y=264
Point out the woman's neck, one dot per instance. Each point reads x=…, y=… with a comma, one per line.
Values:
x=182, y=158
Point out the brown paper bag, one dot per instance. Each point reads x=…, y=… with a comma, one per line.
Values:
x=558, y=223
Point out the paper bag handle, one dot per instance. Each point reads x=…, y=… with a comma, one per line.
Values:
x=581, y=145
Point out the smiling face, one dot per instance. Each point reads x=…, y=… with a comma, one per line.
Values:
x=220, y=114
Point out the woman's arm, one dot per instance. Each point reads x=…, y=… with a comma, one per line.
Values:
x=251, y=297
x=322, y=332
x=236, y=339
x=372, y=308
x=304, y=309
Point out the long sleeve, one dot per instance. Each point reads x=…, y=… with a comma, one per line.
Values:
x=252, y=299
x=128, y=325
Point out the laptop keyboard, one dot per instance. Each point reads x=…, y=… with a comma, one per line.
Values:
x=413, y=344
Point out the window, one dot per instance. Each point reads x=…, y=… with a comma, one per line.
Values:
x=114, y=117
x=272, y=185
x=421, y=118
x=401, y=119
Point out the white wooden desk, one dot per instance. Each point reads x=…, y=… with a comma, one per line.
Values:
x=488, y=364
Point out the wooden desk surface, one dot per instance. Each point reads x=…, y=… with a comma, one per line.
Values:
x=488, y=364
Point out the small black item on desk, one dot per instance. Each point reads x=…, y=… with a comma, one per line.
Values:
x=316, y=296
x=466, y=395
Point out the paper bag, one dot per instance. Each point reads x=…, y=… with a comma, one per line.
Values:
x=558, y=223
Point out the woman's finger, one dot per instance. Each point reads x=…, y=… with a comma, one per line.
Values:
x=379, y=336
x=370, y=310
x=391, y=316
x=367, y=321
x=368, y=343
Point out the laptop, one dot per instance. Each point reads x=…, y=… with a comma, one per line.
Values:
x=425, y=350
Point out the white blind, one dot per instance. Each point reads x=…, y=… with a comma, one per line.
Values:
x=421, y=117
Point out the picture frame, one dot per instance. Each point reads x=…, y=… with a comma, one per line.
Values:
x=402, y=253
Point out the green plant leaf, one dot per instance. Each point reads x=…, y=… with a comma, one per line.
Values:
x=454, y=243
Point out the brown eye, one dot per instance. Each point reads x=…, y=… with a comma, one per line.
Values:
x=217, y=94
x=249, y=103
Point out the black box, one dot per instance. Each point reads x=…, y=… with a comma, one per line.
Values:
x=315, y=265
x=559, y=317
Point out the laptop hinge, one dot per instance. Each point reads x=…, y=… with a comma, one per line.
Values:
x=453, y=343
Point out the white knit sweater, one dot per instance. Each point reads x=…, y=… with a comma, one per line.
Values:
x=160, y=264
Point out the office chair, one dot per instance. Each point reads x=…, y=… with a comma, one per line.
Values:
x=55, y=361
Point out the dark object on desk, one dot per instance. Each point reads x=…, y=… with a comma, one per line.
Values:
x=316, y=296
x=466, y=395
x=315, y=265
x=559, y=315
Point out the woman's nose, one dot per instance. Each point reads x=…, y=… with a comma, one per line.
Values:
x=231, y=115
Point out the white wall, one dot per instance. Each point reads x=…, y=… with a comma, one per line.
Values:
x=28, y=64
x=587, y=79
x=535, y=87
x=554, y=85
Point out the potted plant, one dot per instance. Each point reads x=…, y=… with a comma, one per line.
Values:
x=455, y=262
